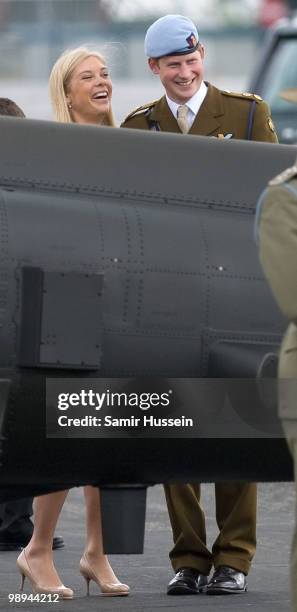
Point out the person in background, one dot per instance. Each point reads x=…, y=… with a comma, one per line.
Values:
x=191, y=105
x=277, y=233
x=16, y=527
x=81, y=91
x=10, y=109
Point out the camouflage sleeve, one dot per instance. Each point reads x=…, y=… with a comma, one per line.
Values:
x=278, y=245
x=263, y=128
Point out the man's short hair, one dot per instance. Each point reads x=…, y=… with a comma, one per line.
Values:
x=10, y=108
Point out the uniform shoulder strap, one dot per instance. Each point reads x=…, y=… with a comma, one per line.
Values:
x=243, y=96
x=142, y=109
x=254, y=99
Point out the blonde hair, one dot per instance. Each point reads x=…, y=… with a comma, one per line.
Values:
x=59, y=80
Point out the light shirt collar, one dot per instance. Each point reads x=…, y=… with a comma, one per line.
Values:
x=193, y=104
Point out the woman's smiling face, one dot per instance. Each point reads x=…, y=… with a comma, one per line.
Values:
x=89, y=91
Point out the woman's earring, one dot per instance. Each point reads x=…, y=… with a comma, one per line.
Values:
x=70, y=106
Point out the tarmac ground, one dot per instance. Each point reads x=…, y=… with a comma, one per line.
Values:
x=148, y=574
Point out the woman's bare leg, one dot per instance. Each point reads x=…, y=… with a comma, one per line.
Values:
x=39, y=552
x=94, y=539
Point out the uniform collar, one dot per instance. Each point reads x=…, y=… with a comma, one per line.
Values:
x=193, y=104
x=206, y=121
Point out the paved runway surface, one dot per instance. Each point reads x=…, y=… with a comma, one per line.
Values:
x=149, y=573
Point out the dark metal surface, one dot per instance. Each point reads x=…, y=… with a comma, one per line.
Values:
x=167, y=222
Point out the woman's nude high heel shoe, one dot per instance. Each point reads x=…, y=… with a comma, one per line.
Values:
x=107, y=588
x=26, y=572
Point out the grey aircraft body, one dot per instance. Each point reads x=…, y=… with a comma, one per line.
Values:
x=131, y=254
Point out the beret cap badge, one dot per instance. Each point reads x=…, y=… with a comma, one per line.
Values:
x=192, y=41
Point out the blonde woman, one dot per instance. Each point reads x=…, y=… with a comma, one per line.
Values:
x=81, y=91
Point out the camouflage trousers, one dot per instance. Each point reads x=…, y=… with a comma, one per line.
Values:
x=292, y=442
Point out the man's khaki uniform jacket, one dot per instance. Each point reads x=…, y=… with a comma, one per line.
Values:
x=221, y=114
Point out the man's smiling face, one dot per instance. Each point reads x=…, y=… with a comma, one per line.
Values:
x=181, y=75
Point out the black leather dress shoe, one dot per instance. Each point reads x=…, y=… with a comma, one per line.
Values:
x=18, y=538
x=226, y=581
x=187, y=581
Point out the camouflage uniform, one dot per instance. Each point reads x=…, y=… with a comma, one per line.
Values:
x=277, y=230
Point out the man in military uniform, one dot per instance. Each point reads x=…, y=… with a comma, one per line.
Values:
x=191, y=105
x=176, y=56
x=277, y=230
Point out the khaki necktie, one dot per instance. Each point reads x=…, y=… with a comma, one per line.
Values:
x=182, y=113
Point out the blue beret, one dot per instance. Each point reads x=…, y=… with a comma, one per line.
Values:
x=171, y=35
